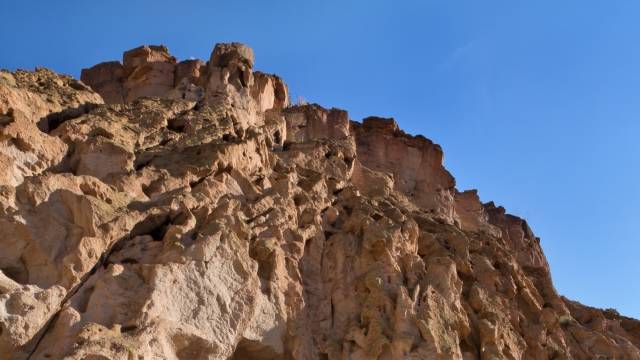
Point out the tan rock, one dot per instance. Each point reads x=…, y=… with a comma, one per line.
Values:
x=269, y=92
x=31, y=105
x=213, y=221
x=189, y=80
x=149, y=71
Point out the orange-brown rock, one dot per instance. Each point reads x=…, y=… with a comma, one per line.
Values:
x=197, y=215
x=106, y=79
x=309, y=122
x=227, y=77
x=415, y=163
x=149, y=71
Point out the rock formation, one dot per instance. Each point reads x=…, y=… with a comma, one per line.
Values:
x=184, y=210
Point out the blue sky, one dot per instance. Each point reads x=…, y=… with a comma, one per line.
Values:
x=536, y=103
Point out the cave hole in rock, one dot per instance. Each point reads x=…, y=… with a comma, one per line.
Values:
x=254, y=350
x=159, y=231
x=349, y=161
x=141, y=162
x=6, y=118
x=277, y=137
x=298, y=200
x=176, y=125
x=155, y=226
x=17, y=274
x=153, y=188
x=467, y=347
x=242, y=78
x=128, y=328
x=52, y=121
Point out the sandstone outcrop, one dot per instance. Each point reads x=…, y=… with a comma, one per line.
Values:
x=197, y=215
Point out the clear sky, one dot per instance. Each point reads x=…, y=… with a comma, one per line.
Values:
x=536, y=103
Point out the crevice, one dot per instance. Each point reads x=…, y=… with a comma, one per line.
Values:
x=128, y=328
x=82, y=306
x=277, y=137
x=18, y=274
x=141, y=226
x=264, y=213
x=154, y=187
x=333, y=311
x=141, y=163
x=154, y=225
x=52, y=121
x=349, y=161
x=242, y=80
x=200, y=180
x=223, y=169
x=467, y=347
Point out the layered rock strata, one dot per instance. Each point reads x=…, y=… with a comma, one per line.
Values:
x=197, y=215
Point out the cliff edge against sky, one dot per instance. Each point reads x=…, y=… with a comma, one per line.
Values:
x=186, y=210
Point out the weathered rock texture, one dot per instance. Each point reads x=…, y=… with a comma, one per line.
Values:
x=197, y=215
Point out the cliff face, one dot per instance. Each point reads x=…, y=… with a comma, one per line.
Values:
x=197, y=215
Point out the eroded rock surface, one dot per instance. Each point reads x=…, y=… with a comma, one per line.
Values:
x=197, y=215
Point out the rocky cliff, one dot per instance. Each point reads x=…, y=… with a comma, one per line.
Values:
x=185, y=210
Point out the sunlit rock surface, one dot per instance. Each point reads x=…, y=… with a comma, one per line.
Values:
x=198, y=215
